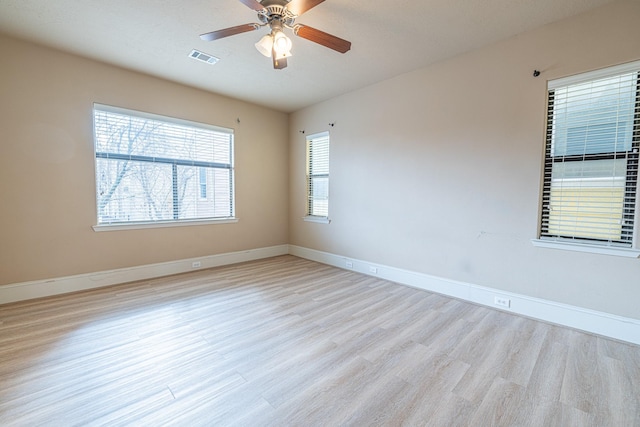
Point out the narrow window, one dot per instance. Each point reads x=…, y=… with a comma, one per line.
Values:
x=591, y=157
x=151, y=168
x=318, y=175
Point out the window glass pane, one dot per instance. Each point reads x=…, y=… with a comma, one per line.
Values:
x=320, y=208
x=319, y=157
x=587, y=198
x=222, y=192
x=133, y=191
x=594, y=117
x=320, y=196
x=189, y=200
x=320, y=188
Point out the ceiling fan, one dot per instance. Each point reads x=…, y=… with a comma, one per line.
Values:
x=280, y=14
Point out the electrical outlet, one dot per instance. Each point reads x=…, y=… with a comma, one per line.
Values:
x=373, y=269
x=349, y=264
x=502, y=302
x=195, y=264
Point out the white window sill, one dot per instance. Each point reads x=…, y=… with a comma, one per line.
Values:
x=163, y=224
x=586, y=247
x=318, y=219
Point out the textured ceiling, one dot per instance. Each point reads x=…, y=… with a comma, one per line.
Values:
x=388, y=38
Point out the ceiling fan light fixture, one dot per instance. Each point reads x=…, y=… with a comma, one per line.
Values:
x=281, y=44
x=265, y=45
x=283, y=55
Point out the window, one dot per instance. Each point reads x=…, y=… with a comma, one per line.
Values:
x=591, y=158
x=318, y=176
x=155, y=169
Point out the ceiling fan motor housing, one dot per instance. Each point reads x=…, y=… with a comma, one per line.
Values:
x=276, y=13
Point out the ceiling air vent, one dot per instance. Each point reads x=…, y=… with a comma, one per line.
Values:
x=201, y=56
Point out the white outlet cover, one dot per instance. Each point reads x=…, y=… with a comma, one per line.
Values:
x=502, y=302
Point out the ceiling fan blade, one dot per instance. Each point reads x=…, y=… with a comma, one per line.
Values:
x=278, y=63
x=320, y=37
x=253, y=4
x=215, y=35
x=298, y=7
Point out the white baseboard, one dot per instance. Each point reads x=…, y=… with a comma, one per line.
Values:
x=609, y=325
x=61, y=285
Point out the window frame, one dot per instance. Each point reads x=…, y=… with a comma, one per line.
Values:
x=627, y=246
x=174, y=163
x=310, y=176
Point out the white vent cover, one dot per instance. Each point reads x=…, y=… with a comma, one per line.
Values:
x=204, y=57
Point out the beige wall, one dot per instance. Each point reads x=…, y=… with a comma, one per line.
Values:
x=47, y=184
x=438, y=171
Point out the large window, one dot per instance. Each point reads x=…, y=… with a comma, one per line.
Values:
x=591, y=157
x=156, y=169
x=318, y=175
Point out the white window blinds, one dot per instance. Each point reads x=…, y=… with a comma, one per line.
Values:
x=591, y=157
x=318, y=175
x=151, y=168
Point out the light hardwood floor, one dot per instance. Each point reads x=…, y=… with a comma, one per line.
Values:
x=289, y=342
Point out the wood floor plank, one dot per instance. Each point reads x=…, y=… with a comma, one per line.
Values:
x=286, y=341
x=450, y=410
x=502, y=405
x=545, y=382
x=623, y=408
x=583, y=378
x=561, y=415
